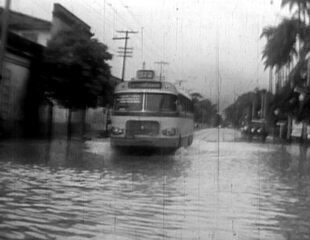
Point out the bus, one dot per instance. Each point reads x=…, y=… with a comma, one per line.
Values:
x=151, y=113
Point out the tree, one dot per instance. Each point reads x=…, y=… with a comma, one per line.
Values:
x=196, y=96
x=281, y=43
x=204, y=111
x=285, y=42
x=246, y=107
x=241, y=109
x=303, y=7
x=76, y=71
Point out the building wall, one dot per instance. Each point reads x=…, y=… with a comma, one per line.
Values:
x=12, y=92
x=64, y=19
x=61, y=21
x=38, y=36
x=14, y=85
x=95, y=121
x=58, y=25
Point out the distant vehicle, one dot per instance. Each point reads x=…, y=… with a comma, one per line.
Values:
x=151, y=113
x=255, y=129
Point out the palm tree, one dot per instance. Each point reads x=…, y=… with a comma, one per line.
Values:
x=281, y=43
x=285, y=42
x=303, y=8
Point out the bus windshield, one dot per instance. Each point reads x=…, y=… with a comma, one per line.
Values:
x=128, y=102
x=160, y=102
x=154, y=102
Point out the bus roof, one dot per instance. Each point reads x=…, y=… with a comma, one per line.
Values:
x=184, y=93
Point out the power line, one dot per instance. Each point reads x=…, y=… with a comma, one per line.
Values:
x=153, y=45
x=125, y=53
x=41, y=7
x=161, y=63
x=111, y=16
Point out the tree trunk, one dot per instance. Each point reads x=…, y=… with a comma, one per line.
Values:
x=50, y=120
x=289, y=128
x=304, y=134
x=106, y=130
x=69, y=124
x=83, y=130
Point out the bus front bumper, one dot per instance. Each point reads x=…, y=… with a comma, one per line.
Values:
x=146, y=142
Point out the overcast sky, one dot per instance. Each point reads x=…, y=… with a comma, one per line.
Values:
x=199, y=38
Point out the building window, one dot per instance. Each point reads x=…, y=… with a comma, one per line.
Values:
x=5, y=93
x=31, y=36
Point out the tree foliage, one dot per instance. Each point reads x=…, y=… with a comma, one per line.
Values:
x=281, y=43
x=242, y=109
x=76, y=70
x=204, y=111
x=196, y=96
x=290, y=40
x=289, y=37
x=303, y=6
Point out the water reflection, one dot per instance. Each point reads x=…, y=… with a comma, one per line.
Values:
x=289, y=177
x=75, y=189
x=86, y=190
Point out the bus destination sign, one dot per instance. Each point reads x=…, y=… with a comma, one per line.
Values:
x=150, y=85
x=145, y=74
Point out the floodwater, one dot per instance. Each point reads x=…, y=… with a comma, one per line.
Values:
x=216, y=189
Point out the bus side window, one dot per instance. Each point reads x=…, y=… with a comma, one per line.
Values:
x=183, y=103
x=179, y=104
x=179, y=107
x=191, y=107
x=187, y=106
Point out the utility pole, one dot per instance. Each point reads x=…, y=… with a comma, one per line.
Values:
x=161, y=63
x=235, y=117
x=263, y=105
x=180, y=82
x=4, y=35
x=308, y=70
x=264, y=102
x=253, y=109
x=305, y=133
x=124, y=53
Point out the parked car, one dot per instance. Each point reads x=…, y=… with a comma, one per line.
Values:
x=256, y=129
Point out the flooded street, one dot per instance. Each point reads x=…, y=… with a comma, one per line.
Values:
x=211, y=190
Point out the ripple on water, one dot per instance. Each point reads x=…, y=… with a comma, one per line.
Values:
x=35, y=235
x=155, y=197
x=14, y=235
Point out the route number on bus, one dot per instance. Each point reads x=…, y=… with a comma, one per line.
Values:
x=145, y=74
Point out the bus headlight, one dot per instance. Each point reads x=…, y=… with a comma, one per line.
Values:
x=169, y=132
x=117, y=131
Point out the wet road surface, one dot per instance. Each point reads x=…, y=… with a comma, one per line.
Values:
x=218, y=188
